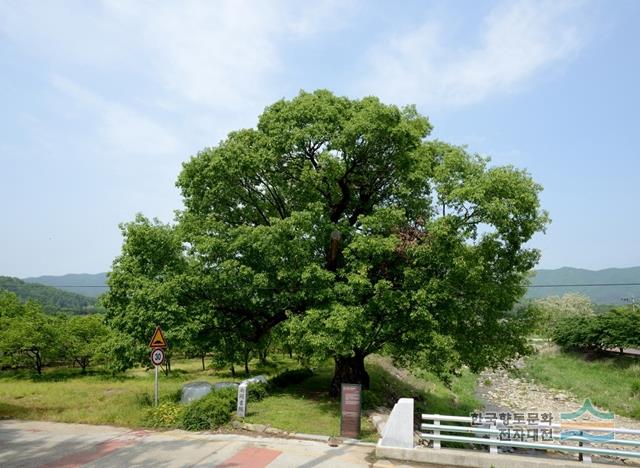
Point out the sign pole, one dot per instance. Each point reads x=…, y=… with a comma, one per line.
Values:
x=156, y=387
x=157, y=345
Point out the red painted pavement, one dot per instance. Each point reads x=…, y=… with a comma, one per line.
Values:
x=78, y=459
x=251, y=458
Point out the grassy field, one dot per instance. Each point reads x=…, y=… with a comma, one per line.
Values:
x=612, y=382
x=97, y=398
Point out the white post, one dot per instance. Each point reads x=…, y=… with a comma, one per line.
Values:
x=584, y=457
x=493, y=448
x=155, y=387
x=242, y=400
x=436, y=443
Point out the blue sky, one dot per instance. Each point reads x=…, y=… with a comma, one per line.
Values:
x=103, y=101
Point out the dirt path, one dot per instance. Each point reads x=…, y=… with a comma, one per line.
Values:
x=502, y=392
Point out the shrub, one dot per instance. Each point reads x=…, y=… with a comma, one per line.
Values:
x=257, y=392
x=578, y=332
x=144, y=399
x=291, y=377
x=164, y=415
x=635, y=389
x=209, y=412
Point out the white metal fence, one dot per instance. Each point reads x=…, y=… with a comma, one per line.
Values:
x=490, y=432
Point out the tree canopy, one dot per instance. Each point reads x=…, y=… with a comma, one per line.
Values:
x=341, y=219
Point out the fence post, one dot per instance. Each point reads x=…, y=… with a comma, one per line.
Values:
x=494, y=447
x=436, y=443
x=584, y=457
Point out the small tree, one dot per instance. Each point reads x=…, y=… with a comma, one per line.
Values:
x=620, y=329
x=83, y=337
x=554, y=309
x=29, y=335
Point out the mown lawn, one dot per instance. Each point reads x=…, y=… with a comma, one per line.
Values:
x=97, y=398
x=611, y=382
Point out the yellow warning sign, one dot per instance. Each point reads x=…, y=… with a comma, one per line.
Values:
x=158, y=341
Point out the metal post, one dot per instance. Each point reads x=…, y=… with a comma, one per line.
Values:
x=583, y=457
x=436, y=443
x=156, y=387
x=493, y=448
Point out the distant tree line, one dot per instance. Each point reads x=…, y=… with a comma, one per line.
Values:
x=575, y=324
x=30, y=337
x=52, y=299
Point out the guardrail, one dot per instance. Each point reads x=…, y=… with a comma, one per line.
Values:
x=494, y=429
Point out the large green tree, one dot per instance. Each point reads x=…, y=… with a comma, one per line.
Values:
x=341, y=218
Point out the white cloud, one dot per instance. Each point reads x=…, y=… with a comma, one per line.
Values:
x=191, y=61
x=122, y=131
x=217, y=54
x=517, y=41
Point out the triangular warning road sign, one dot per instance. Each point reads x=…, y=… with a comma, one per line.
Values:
x=158, y=341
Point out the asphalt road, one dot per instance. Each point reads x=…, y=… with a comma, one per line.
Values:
x=46, y=444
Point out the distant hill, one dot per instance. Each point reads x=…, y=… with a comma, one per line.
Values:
x=92, y=285
x=52, y=299
x=576, y=276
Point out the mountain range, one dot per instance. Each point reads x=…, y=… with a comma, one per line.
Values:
x=51, y=298
x=614, y=285
x=87, y=284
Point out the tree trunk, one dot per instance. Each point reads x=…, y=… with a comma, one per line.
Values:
x=349, y=369
x=38, y=362
x=233, y=371
x=202, y=357
x=621, y=350
x=246, y=363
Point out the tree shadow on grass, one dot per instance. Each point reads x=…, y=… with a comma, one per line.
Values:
x=11, y=411
x=62, y=374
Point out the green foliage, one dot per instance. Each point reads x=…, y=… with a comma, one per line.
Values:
x=338, y=217
x=165, y=415
x=616, y=329
x=83, y=336
x=28, y=336
x=620, y=328
x=119, y=352
x=553, y=309
x=52, y=299
x=146, y=284
x=635, y=389
x=290, y=377
x=210, y=412
x=257, y=392
x=579, y=332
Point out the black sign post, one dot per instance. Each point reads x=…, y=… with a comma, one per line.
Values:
x=350, y=410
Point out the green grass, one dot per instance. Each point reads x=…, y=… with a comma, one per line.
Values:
x=608, y=381
x=97, y=398
x=306, y=408
x=65, y=395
